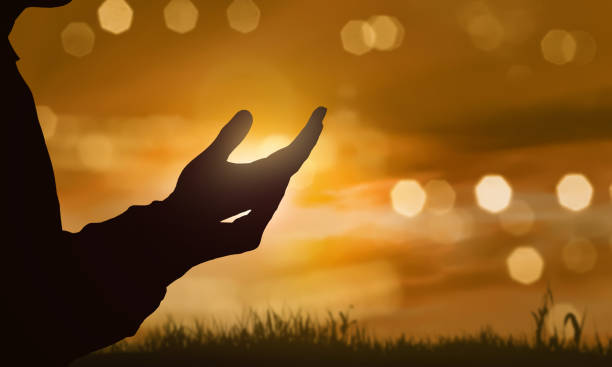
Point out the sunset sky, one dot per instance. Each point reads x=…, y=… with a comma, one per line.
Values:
x=424, y=98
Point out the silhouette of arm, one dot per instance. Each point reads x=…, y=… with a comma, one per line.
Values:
x=132, y=258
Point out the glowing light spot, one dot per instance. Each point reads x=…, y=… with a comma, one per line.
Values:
x=493, y=193
x=78, y=39
x=450, y=227
x=115, y=16
x=243, y=15
x=586, y=47
x=271, y=144
x=525, y=265
x=440, y=196
x=574, y=192
x=486, y=31
x=408, y=198
x=555, y=321
x=579, y=255
x=246, y=153
x=48, y=121
x=389, y=32
x=181, y=16
x=358, y=37
x=518, y=219
x=558, y=47
x=95, y=152
x=233, y=218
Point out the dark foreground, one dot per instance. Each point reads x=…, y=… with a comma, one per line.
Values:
x=296, y=340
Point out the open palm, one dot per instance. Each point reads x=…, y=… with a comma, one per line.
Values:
x=211, y=189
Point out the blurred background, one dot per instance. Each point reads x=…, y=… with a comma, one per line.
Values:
x=464, y=165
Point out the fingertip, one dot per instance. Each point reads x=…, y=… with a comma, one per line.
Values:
x=319, y=114
x=243, y=116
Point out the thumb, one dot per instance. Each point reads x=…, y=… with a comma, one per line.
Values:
x=231, y=135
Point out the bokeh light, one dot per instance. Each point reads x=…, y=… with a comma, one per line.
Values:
x=388, y=31
x=493, y=193
x=586, y=47
x=78, y=39
x=440, y=196
x=115, y=16
x=450, y=227
x=408, y=198
x=518, y=218
x=48, y=120
x=555, y=320
x=243, y=15
x=357, y=37
x=181, y=16
x=558, y=47
x=95, y=151
x=525, y=265
x=579, y=255
x=486, y=31
x=574, y=192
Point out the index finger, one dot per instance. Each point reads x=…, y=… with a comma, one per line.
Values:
x=291, y=158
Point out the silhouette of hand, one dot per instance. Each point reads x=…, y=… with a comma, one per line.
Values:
x=211, y=189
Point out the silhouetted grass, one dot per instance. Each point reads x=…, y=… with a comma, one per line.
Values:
x=296, y=339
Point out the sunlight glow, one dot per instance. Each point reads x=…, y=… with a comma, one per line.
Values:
x=558, y=47
x=408, y=198
x=48, y=120
x=78, y=39
x=115, y=16
x=358, y=37
x=246, y=153
x=493, y=193
x=95, y=152
x=243, y=15
x=555, y=321
x=181, y=16
x=518, y=219
x=389, y=32
x=579, y=255
x=525, y=265
x=574, y=192
x=440, y=196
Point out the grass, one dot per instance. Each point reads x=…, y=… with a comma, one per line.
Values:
x=296, y=339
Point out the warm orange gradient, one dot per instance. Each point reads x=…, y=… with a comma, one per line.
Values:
x=449, y=94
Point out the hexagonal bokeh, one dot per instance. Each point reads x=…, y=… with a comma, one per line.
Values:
x=574, y=192
x=408, y=198
x=358, y=37
x=78, y=39
x=525, y=265
x=558, y=47
x=388, y=30
x=181, y=16
x=243, y=15
x=115, y=16
x=440, y=196
x=493, y=193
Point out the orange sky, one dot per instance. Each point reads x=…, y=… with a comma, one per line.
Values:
x=468, y=92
